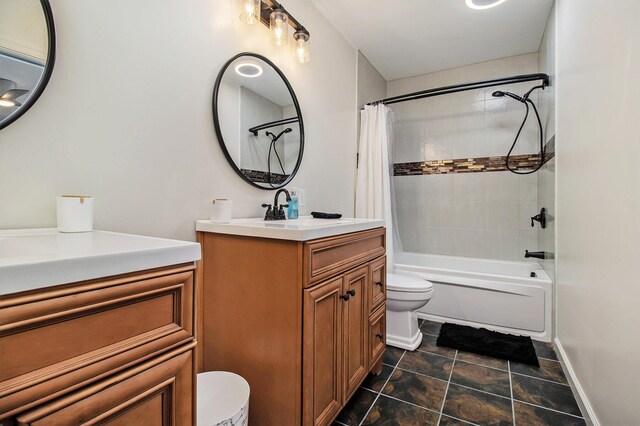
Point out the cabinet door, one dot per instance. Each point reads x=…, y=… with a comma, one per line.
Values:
x=156, y=393
x=378, y=284
x=322, y=352
x=355, y=323
x=377, y=335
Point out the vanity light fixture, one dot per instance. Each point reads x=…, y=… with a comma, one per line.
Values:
x=248, y=69
x=301, y=45
x=274, y=16
x=484, y=4
x=250, y=11
x=279, y=27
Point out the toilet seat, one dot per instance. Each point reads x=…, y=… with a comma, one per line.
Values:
x=405, y=283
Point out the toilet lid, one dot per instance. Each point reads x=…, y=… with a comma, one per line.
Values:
x=398, y=282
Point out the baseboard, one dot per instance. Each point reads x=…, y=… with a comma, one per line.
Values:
x=585, y=406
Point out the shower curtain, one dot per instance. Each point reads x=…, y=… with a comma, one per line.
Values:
x=374, y=183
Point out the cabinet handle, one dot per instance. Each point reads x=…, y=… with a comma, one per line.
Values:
x=345, y=296
x=380, y=283
x=379, y=336
x=351, y=292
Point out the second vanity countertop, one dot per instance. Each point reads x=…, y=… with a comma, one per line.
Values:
x=302, y=229
x=37, y=258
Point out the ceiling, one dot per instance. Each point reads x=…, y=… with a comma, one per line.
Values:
x=412, y=37
x=269, y=84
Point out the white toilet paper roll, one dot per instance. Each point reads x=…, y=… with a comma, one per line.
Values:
x=75, y=213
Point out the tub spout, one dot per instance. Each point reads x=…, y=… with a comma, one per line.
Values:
x=536, y=254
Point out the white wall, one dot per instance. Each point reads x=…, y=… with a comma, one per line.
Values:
x=126, y=117
x=371, y=85
x=477, y=214
x=598, y=204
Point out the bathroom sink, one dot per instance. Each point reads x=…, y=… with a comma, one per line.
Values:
x=302, y=229
x=37, y=258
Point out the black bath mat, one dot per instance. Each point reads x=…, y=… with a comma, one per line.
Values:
x=489, y=343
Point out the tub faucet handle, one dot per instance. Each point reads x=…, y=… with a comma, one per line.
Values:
x=540, y=217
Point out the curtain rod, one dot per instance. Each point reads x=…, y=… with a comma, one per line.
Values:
x=255, y=129
x=445, y=90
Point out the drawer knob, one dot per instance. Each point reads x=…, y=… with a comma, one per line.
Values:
x=345, y=296
x=351, y=292
x=379, y=336
x=380, y=283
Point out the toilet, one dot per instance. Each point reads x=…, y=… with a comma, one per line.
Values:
x=405, y=295
x=223, y=399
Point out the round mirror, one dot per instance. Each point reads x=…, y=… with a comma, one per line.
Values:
x=258, y=121
x=27, y=52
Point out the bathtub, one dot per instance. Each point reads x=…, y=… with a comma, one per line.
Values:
x=507, y=296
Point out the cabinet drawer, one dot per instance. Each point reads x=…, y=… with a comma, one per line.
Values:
x=76, y=334
x=377, y=334
x=329, y=256
x=377, y=283
x=158, y=392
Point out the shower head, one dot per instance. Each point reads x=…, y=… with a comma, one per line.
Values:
x=276, y=137
x=500, y=93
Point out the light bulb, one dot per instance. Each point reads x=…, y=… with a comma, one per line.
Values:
x=250, y=11
x=278, y=23
x=7, y=103
x=301, y=46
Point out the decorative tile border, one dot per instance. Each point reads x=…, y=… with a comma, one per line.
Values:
x=259, y=176
x=474, y=165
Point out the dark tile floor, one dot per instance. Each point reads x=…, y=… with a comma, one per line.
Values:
x=441, y=386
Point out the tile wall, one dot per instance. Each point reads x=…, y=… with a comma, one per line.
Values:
x=466, y=214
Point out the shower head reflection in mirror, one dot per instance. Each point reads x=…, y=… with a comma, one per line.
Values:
x=274, y=138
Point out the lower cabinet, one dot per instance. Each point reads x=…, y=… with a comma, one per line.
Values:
x=116, y=350
x=299, y=320
x=158, y=392
x=342, y=343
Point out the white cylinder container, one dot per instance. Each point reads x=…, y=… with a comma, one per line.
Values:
x=223, y=399
x=221, y=212
x=75, y=213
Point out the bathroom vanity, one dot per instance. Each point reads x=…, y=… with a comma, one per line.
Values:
x=297, y=308
x=96, y=327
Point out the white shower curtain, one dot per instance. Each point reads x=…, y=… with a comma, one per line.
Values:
x=374, y=186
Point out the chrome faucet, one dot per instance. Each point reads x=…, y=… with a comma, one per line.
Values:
x=276, y=212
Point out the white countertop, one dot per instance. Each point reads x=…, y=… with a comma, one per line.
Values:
x=302, y=229
x=37, y=258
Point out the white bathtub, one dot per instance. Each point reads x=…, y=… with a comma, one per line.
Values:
x=496, y=294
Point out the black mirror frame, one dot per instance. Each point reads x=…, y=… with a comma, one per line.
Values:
x=216, y=121
x=48, y=69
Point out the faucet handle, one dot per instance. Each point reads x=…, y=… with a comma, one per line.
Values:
x=268, y=215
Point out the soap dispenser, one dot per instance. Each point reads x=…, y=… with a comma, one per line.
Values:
x=292, y=211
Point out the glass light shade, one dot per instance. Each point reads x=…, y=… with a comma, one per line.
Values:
x=279, y=25
x=301, y=46
x=250, y=11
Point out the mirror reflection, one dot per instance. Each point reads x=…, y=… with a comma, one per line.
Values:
x=25, y=60
x=258, y=121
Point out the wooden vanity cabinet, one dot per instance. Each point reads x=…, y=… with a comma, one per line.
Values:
x=117, y=350
x=295, y=319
